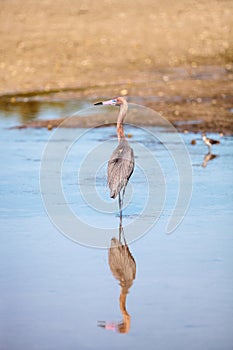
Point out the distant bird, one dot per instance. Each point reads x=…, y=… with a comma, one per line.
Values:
x=123, y=268
x=121, y=163
x=209, y=142
x=193, y=142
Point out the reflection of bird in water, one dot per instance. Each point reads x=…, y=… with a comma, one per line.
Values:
x=209, y=142
x=208, y=156
x=123, y=268
x=121, y=163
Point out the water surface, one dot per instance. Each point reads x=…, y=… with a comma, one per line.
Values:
x=54, y=291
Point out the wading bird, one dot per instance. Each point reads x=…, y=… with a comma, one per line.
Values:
x=209, y=142
x=121, y=163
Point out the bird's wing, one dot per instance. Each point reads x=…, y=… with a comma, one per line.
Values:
x=120, y=168
x=214, y=142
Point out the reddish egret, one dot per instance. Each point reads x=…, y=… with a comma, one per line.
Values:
x=121, y=163
x=209, y=142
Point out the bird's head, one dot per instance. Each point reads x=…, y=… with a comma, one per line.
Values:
x=203, y=134
x=118, y=101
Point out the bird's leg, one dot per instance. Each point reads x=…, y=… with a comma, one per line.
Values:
x=120, y=205
x=122, y=198
x=121, y=232
x=120, y=208
x=209, y=149
x=123, y=193
x=121, y=201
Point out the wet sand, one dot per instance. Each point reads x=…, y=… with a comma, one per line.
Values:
x=167, y=58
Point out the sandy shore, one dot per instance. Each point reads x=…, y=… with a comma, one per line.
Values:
x=176, y=60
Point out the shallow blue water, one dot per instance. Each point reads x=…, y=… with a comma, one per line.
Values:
x=54, y=291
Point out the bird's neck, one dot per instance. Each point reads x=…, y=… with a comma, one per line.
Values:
x=120, y=132
x=120, y=120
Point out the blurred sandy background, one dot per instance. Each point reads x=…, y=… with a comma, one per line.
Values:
x=138, y=48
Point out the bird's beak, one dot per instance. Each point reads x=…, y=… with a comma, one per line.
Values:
x=98, y=103
x=109, y=102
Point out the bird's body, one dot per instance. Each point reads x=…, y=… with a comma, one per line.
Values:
x=121, y=163
x=120, y=168
x=209, y=142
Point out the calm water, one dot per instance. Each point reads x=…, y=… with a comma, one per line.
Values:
x=54, y=292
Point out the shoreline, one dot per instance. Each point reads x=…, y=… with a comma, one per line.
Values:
x=164, y=57
x=193, y=99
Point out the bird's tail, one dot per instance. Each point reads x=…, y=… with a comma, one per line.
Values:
x=113, y=194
